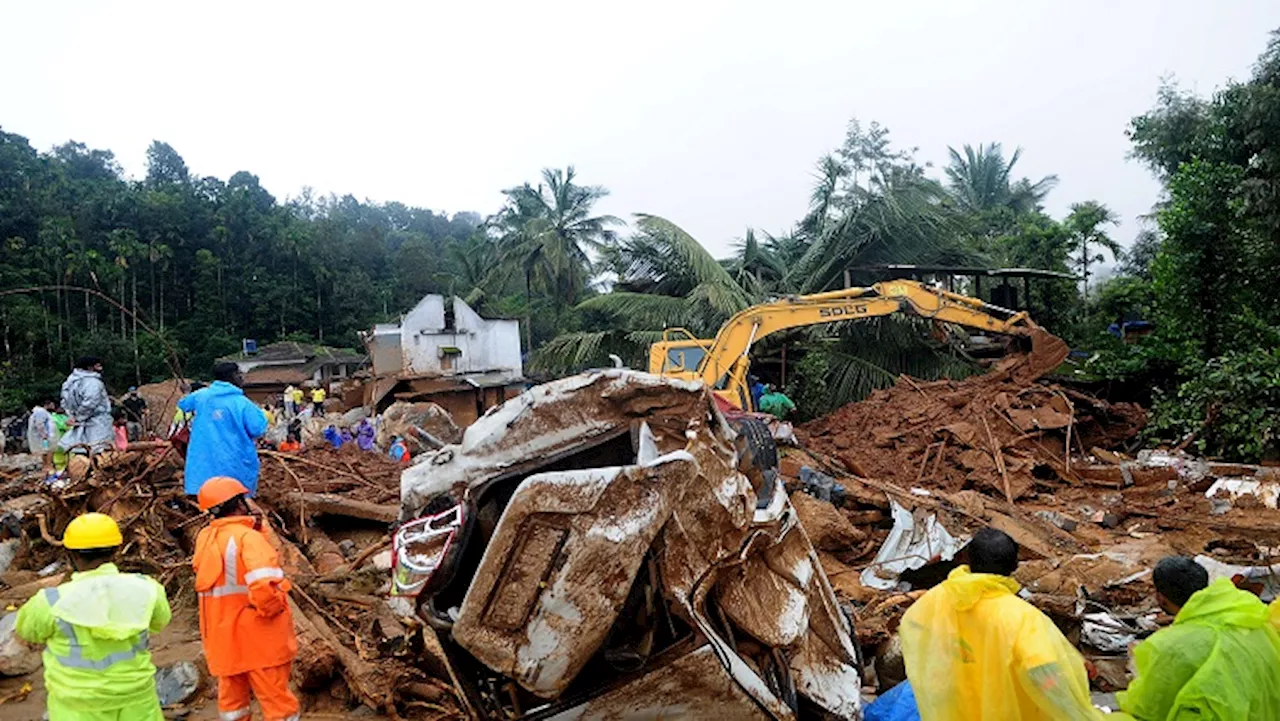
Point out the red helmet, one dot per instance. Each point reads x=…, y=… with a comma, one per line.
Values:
x=218, y=490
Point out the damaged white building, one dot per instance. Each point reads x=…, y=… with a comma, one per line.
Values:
x=450, y=356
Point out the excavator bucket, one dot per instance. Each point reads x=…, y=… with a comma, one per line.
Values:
x=1047, y=353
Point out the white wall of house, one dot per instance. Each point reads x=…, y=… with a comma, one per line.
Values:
x=427, y=347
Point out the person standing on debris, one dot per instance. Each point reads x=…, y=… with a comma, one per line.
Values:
x=95, y=628
x=40, y=434
x=317, y=400
x=775, y=403
x=1220, y=660
x=365, y=434
x=135, y=408
x=245, y=623
x=223, y=431
x=61, y=424
x=290, y=407
x=297, y=400
x=120, y=428
x=973, y=650
x=88, y=407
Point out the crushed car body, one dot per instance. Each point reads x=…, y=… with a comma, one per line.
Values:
x=609, y=546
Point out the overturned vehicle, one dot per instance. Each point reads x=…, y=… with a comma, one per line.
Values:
x=608, y=546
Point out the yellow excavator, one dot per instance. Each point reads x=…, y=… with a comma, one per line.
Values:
x=722, y=363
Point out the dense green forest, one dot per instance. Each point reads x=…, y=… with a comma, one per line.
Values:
x=206, y=262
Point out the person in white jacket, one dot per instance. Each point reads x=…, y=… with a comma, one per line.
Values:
x=40, y=433
x=88, y=409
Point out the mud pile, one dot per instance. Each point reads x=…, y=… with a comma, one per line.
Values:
x=1003, y=433
x=916, y=469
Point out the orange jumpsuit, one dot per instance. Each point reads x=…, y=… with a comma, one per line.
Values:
x=245, y=622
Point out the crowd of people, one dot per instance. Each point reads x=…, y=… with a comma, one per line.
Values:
x=95, y=626
x=87, y=419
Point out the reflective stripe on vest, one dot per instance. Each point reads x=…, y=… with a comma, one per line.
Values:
x=77, y=659
x=230, y=568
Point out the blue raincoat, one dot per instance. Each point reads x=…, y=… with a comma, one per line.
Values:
x=222, y=434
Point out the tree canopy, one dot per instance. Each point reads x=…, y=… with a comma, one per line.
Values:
x=90, y=259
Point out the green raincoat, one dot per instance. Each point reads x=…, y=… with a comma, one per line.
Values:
x=1219, y=660
x=95, y=629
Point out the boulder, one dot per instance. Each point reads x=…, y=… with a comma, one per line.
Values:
x=827, y=528
x=424, y=426
x=177, y=683
x=16, y=657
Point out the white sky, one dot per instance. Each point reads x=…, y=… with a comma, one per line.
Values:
x=707, y=112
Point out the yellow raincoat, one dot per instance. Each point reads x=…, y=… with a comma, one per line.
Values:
x=1220, y=660
x=97, y=666
x=974, y=651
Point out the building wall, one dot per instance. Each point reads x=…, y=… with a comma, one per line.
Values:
x=485, y=345
x=384, y=349
x=494, y=344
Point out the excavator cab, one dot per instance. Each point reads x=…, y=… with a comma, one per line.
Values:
x=678, y=354
x=681, y=355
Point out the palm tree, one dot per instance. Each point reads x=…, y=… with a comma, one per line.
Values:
x=755, y=267
x=981, y=179
x=665, y=279
x=546, y=234
x=468, y=262
x=897, y=218
x=1085, y=224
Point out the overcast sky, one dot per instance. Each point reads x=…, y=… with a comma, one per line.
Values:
x=710, y=113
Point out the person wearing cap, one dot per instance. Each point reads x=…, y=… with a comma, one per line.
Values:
x=135, y=408
x=245, y=623
x=95, y=628
x=88, y=407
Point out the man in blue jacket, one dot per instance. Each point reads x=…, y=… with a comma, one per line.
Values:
x=223, y=431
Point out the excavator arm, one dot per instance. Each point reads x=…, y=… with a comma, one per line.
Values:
x=722, y=363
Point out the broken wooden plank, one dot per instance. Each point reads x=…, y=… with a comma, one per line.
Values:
x=997, y=454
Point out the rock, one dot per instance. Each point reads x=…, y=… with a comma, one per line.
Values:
x=890, y=668
x=177, y=683
x=822, y=486
x=20, y=463
x=8, y=550
x=424, y=426
x=1057, y=519
x=1111, y=520
x=827, y=528
x=845, y=580
x=348, y=548
x=354, y=416
x=16, y=657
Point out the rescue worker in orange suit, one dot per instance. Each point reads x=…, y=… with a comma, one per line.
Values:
x=245, y=623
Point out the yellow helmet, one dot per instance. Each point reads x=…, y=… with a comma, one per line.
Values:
x=92, y=530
